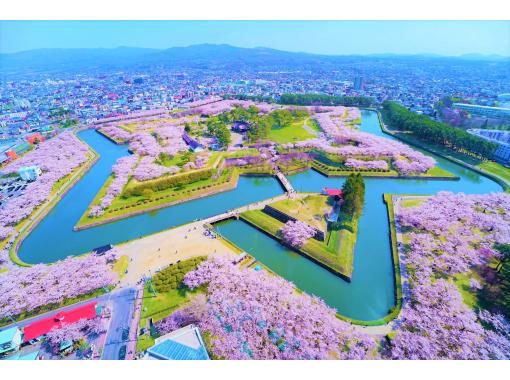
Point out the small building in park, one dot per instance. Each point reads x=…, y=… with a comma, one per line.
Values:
x=240, y=127
x=183, y=344
x=10, y=340
x=193, y=144
x=335, y=193
x=100, y=251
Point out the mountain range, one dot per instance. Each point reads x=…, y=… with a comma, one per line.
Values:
x=205, y=56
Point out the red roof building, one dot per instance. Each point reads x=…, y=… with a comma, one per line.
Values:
x=332, y=192
x=58, y=320
x=35, y=137
x=11, y=154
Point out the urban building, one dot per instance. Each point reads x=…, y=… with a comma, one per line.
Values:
x=10, y=340
x=502, y=138
x=183, y=344
x=29, y=173
x=358, y=83
x=493, y=112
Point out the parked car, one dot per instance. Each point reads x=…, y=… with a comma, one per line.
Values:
x=122, y=353
x=125, y=334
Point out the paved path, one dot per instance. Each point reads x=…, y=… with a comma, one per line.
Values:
x=123, y=305
x=133, y=329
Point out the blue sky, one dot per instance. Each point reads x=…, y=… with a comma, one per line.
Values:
x=324, y=37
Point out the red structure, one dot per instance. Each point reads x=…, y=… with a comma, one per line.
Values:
x=58, y=320
x=35, y=137
x=11, y=154
x=333, y=192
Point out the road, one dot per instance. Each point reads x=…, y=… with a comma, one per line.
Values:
x=123, y=306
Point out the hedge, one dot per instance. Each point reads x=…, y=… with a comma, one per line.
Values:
x=172, y=276
x=170, y=181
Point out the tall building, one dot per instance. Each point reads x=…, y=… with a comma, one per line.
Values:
x=358, y=83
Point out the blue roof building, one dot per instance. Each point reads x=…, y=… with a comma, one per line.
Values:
x=183, y=344
x=34, y=355
x=193, y=144
x=10, y=340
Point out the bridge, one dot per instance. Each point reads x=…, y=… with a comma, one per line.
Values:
x=286, y=183
x=252, y=206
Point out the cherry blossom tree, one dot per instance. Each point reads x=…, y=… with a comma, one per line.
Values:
x=296, y=233
x=26, y=289
x=255, y=315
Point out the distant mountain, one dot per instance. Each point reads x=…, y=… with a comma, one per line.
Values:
x=195, y=56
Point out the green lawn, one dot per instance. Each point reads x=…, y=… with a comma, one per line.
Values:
x=336, y=252
x=243, y=153
x=296, y=131
x=436, y=171
x=496, y=169
x=411, y=202
x=121, y=265
x=124, y=206
x=462, y=281
x=311, y=209
x=163, y=304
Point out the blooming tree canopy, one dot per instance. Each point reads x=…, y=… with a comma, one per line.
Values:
x=254, y=315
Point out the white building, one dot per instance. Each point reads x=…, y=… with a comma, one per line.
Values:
x=29, y=173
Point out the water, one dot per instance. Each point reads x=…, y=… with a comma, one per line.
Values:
x=370, y=295
x=54, y=239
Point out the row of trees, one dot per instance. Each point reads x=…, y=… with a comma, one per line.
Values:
x=326, y=100
x=353, y=195
x=168, y=182
x=435, y=132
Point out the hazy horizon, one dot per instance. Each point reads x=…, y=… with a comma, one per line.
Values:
x=445, y=38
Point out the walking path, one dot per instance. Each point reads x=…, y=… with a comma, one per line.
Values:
x=151, y=253
x=285, y=182
x=133, y=329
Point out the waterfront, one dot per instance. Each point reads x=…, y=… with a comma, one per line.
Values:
x=370, y=294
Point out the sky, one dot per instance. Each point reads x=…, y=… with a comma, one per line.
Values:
x=322, y=37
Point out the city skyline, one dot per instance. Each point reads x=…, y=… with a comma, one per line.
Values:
x=446, y=38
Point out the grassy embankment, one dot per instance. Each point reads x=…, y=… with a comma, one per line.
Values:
x=58, y=190
x=489, y=168
x=299, y=130
x=125, y=207
x=335, y=253
x=340, y=171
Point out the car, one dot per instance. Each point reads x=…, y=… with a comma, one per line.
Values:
x=122, y=353
x=125, y=334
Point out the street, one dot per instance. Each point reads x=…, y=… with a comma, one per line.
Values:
x=122, y=304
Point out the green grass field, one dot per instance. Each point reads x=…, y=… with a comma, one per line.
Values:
x=124, y=206
x=336, y=252
x=311, y=209
x=298, y=130
x=121, y=265
x=496, y=169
